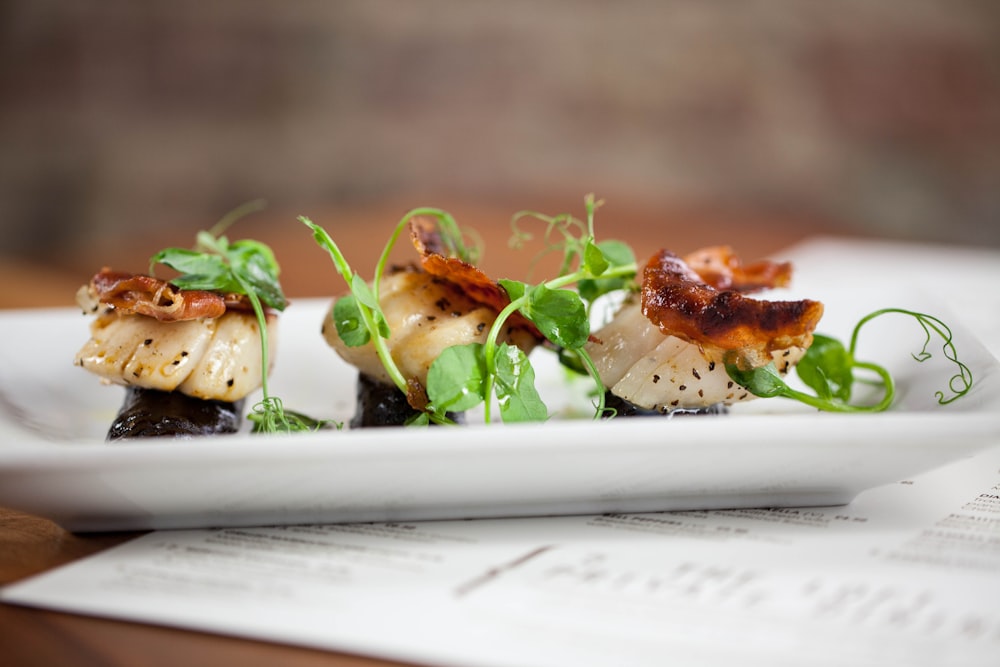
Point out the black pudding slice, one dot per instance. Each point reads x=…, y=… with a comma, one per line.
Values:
x=626, y=409
x=381, y=404
x=151, y=413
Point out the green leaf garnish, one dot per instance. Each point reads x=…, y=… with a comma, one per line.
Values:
x=455, y=379
x=593, y=258
x=245, y=267
x=249, y=268
x=559, y=314
x=828, y=368
x=617, y=254
x=349, y=320
x=515, y=387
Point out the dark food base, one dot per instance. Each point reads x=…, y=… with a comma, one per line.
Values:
x=381, y=404
x=152, y=413
x=626, y=409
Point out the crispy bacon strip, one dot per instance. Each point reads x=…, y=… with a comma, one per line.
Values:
x=139, y=294
x=719, y=267
x=470, y=279
x=676, y=299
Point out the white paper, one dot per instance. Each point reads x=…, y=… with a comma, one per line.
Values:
x=909, y=573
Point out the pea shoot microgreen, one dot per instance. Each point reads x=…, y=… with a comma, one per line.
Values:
x=561, y=315
x=466, y=376
x=828, y=369
x=246, y=267
x=358, y=315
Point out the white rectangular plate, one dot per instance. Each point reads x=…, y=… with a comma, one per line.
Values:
x=54, y=461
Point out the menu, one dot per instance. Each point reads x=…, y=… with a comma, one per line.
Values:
x=907, y=573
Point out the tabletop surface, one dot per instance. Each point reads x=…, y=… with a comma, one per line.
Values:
x=31, y=545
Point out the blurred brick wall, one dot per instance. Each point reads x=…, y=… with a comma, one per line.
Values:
x=119, y=115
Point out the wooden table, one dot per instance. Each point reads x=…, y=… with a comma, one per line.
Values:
x=31, y=545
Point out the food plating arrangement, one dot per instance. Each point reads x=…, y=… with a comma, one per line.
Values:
x=437, y=337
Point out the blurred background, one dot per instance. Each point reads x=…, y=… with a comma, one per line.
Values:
x=696, y=121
